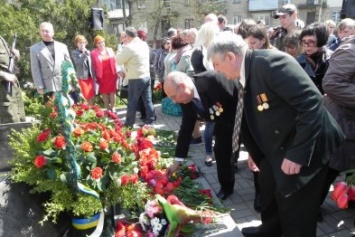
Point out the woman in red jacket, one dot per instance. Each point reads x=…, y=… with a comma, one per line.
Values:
x=104, y=62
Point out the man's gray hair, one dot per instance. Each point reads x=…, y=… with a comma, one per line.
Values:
x=48, y=25
x=131, y=32
x=226, y=42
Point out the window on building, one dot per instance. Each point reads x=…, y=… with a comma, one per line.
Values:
x=119, y=4
x=336, y=16
x=311, y=17
x=113, y=4
x=166, y=3
x=237, y=1
x=265, y=17
x=237, y=19
x=189, y=23
x=118, y=28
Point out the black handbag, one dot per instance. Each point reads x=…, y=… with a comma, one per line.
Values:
x=123, y=92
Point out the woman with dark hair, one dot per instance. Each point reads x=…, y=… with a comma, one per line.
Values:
x=182, y=59
x=257, y=38
x=244, y=26
x=292, y=43
x=315, y=56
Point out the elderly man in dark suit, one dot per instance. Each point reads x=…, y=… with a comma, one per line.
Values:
x=286, y=130
x=212, y=97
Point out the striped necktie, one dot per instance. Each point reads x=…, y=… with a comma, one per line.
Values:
x=238, y=118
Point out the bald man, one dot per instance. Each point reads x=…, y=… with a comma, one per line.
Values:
x=210, y=96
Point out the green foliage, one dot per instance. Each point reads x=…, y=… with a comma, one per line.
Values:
x=69, y=18
x=351, y=179
x=133, y=197
x=63, y=198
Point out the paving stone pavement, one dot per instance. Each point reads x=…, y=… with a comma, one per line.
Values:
x=337, y=222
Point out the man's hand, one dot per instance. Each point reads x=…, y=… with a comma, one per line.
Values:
x=171, y=169
x=121, y=74
x=16, y=53
x=290, y=167
x=251, y=164
x=9, y=77
x=40, y=91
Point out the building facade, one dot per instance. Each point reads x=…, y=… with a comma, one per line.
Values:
x=156, y=16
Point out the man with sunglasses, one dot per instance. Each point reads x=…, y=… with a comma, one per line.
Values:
x=210, y=96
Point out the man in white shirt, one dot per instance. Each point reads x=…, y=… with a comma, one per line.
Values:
x=135, y=58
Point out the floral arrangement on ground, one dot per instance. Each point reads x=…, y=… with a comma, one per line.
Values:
x=87, y=162
x=344, y=192
x=113, y=165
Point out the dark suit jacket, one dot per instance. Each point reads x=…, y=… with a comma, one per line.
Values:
x=296, y=125
x=213, y=88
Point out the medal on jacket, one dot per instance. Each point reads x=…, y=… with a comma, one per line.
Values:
x=215, y=110
x=264, y=100
x=260, y=103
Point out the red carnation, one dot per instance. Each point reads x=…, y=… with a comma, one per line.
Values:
x=116, y=157
x=99, y=113
x=85, y=107
x=53, y=114
x=59, y=142
x=144, y=144
x=125, y=179
x=103, y=145
x=134, y=178
x=78, y=131
x=79, y=113
x=106, y=135
x=87, y=146
x=96, y=173
x=40, y=161
x=43, y=136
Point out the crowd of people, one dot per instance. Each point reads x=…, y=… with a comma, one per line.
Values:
x=285, y=93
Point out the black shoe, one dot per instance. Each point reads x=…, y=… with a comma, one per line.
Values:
x=257, y=203
x=256, y=231
x=223, y=196
x=195, y=141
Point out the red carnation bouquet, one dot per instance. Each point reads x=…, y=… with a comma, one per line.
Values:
x=107, y=161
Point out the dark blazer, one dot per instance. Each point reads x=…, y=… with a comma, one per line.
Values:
x=296, y=125
x=213, y=89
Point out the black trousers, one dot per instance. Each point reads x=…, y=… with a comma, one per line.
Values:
x=224, y=157
x=292, y=216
